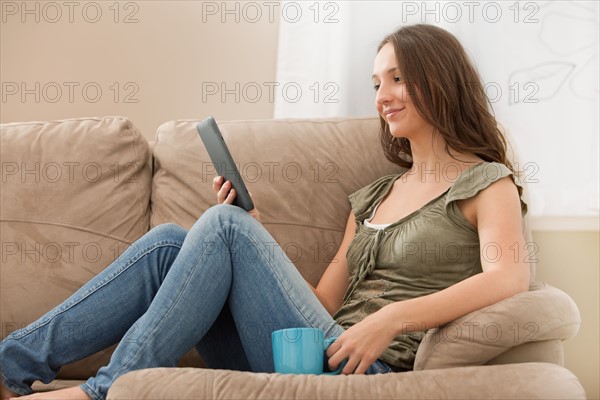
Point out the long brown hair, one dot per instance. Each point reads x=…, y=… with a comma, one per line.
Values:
x=450, y=95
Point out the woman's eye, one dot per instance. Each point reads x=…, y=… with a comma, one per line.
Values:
x=397, y=79
x=376, y=86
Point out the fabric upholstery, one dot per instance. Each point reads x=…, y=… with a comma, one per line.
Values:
x=550, y=351
x=519, y=381
x=300, y=173
x=74, y=194
x=542, y=313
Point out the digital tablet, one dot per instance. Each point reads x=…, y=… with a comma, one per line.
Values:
x=221, y=158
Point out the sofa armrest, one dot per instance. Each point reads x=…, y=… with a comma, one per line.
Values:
x=542, y=313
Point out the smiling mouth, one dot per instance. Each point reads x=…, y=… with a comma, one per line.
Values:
x=390, y=113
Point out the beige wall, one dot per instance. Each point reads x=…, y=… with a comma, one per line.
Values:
x=571, y=261
x=161, y=61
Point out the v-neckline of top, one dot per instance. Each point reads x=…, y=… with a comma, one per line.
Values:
x=419, y=210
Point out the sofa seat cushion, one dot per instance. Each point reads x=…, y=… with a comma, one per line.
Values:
x=515, y=381
x=300, y=173
x=74, y=194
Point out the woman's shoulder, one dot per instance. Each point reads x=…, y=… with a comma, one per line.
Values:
x=364, y=198
x=493, y=177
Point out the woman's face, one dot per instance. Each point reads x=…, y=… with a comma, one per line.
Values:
x=392, y=99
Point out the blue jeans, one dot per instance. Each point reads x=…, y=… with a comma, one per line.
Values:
x=222, y=287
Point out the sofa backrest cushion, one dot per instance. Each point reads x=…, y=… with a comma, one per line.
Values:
x=300, y=173
x=74, y=193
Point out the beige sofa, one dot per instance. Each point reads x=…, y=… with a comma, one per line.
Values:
x=76, y=192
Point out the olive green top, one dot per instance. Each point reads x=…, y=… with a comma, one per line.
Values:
x=427, y=251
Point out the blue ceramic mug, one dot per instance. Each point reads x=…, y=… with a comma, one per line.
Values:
x=302, y=351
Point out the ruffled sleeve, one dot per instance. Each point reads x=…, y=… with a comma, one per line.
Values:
x=364, y=200
x=473, y=181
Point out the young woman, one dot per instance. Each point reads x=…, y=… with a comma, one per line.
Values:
x=411, y=257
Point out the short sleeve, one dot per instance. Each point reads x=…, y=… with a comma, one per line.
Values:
x=364, y=200
x=477, y=178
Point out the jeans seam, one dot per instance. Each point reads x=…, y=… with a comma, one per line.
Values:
x=274, y=272
x=99, y=285
x=14, y=388
x=90, y=392
x=135, y=356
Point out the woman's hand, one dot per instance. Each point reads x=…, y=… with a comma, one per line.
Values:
x=363, y=343
x=226, y=194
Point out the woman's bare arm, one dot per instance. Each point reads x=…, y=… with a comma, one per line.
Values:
x=333, y=284
x=497, y=214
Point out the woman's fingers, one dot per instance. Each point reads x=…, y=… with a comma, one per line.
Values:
x=354, y=363
x=335, y=356
x=217, y=183
x=357, y=358
x=225, y=192
x=254, y=212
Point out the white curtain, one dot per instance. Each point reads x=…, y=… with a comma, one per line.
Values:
x=538, y=60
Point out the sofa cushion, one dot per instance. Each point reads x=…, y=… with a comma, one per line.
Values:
x=542, y=313
x=74, y=193
x=300, y=173
x=519, y=381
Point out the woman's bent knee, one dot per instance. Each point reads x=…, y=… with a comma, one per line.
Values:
x=170, y=231
x=223, y=210
x=220, y=215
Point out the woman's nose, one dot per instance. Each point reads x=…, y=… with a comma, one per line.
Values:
x=382, y=95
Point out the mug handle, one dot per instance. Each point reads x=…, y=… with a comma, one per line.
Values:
x=326, y=344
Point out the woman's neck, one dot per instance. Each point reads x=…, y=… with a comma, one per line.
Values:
x=431, y=161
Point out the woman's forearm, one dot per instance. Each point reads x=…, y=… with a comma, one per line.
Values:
x=478, y=291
